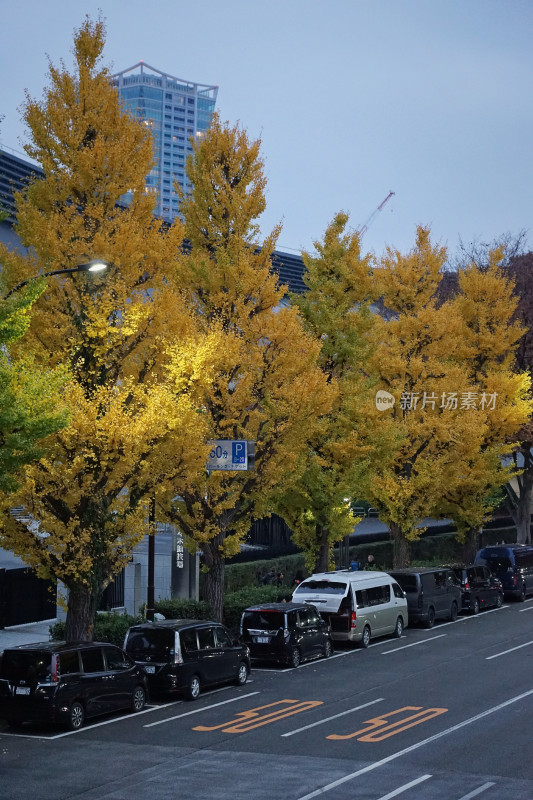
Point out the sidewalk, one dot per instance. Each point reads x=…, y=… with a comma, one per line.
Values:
x=25, y=634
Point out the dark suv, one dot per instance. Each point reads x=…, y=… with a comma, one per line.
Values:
x=66, y=683
x=432, y=593
x=285, y=632
x=479, y=588
x=184, y=655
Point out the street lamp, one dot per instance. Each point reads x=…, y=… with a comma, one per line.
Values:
x=96, y=265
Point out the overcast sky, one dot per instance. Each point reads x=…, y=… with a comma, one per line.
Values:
x=432, y=99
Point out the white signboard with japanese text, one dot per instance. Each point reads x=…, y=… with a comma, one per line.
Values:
x=230, y=454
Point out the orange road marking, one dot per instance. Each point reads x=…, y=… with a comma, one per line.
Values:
x=248, y=720
x=377, y=728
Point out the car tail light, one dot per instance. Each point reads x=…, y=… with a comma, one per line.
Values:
x=466, y=584
x=178, y=658
x=353, y=623
x=54, y=677
x=515, y=580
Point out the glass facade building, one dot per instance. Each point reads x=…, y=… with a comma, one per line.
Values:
x=176, y=112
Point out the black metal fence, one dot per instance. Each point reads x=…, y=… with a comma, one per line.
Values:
x=113, y=596
x=25, y=598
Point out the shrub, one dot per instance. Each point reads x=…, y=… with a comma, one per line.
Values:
x=249, y=573
x=108, y=627
x=236, y=602
x=179, y=608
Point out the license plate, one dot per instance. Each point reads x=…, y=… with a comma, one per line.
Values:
x=262, y=639
x=22, y=690
x=150, y=670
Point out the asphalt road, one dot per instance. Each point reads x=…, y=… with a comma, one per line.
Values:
x=441, y=714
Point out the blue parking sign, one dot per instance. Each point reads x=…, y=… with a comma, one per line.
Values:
x=232, y=455
x=238, y=452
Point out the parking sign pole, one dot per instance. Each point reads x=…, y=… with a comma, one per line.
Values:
x=150, y=594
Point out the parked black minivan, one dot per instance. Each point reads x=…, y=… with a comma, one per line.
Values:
x=287, y=633
x=432, y=593
x=185, y=655
x=67, y=683
x=512, y=564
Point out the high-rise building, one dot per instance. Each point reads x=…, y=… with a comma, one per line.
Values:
x=176, y=111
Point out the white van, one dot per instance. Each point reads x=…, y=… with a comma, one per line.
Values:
x=357, y=605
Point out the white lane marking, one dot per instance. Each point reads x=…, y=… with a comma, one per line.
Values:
x=414, y=644
x=92, y=725
x=198, y=710
x=525, y=609
x=335, y=716
x=477, y=791
x=313, y=662
x=402, y=789
x=468, y=617
x=336, y=654
x=511, y=650
x=413, y=747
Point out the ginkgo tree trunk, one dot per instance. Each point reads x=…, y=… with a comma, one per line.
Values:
x=129, y=423
x=263, y=383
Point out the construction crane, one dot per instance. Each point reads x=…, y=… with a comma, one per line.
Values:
x=363, y=229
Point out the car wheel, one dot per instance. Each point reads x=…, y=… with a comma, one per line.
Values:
x=398, y=630
x=192, y=691
x=475, y=607
x=365, y=641
x=431, y=617
x=242, y=675
x=296, y=657
x=76, y=716
x=522, y=595
x=138, y=699
x=453, y=612
x=328, y=648
x=499, y=600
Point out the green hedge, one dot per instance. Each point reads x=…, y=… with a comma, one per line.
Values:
x=108, y=627
x=443, y=548
x=250, y=573
x=179, y=608
x=236, y=602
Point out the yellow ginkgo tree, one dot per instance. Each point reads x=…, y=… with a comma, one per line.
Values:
x=485, y=304
x=128, y=420
x=262, y=384
x=451, y=417
x=336, y=309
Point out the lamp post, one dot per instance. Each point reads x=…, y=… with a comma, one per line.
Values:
x=91, y=266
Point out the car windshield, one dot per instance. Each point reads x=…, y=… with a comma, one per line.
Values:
x=408, y=583
x=153, y=642
x=497, y=563
x=29, y=666
x=264, y=620
x=322, y=587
